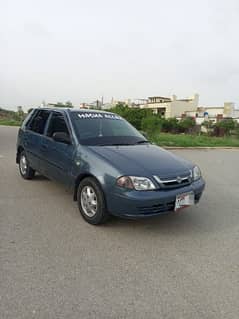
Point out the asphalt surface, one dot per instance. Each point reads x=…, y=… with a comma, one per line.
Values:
x=55, y=265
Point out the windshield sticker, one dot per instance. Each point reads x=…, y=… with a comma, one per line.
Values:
x=98, y=116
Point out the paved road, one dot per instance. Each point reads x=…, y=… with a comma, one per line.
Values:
x=54, y=265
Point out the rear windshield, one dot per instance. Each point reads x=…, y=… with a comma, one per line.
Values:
x=94, y=128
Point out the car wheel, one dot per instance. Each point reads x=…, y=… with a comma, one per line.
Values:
x=91, y=202
x=25, y=170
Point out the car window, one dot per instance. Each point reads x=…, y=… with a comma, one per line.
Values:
x=95, y=128
x=28, y=118
x=57, y=124
x=38, y=121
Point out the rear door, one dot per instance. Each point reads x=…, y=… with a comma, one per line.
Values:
x=57, y=157
x=33, y=135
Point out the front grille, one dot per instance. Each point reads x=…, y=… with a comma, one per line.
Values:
x=159, y=208
x=175, y=181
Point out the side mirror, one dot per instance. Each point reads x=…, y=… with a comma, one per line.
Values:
x=61, y=137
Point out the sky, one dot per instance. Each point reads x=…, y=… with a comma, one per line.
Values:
x=60, y=50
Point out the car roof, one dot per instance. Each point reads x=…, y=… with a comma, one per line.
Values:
x=70, y=110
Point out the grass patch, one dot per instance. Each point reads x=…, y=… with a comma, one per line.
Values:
x=183, y=140
x=10, y=122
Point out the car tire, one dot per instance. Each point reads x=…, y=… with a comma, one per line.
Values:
x=91, y=202
x=25, y=170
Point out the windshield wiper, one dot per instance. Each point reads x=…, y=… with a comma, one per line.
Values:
x=122, y=144
x=119, y=144
x=142, y=142
x=115, y=144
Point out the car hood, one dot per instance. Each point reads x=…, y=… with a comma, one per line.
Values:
x=143, y=160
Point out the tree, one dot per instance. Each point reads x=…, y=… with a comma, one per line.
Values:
x=151, y=124
x=226, y=125
x=186, y=124
x=69, y=104
x=132, y=115
x=170, y=125
x=60, y=104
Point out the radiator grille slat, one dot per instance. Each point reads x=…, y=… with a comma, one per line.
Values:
x=175, y=181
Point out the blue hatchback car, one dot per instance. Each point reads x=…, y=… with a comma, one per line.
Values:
x=111, y=168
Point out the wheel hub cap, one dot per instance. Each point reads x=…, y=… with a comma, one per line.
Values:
x=89, y=201
x=23, y=164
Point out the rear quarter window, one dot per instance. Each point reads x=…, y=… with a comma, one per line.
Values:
x=28, y=118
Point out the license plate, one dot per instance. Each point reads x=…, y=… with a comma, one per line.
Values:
x=184, y=200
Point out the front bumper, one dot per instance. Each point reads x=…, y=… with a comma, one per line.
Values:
x=139, y=204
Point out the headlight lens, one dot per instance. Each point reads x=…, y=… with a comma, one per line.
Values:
x=135, y=182
x=196, y=173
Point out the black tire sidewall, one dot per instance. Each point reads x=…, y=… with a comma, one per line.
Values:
x=102, y=215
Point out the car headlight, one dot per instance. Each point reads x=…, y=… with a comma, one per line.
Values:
x=196, y=173
x=135, y=182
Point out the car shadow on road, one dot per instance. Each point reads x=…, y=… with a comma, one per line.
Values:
x=39, y=177
x=186, y=222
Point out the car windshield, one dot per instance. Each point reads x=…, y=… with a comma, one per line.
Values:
x=96, y=128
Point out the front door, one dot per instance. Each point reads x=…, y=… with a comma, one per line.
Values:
x=57, y=157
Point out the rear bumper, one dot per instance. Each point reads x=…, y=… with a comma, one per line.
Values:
x=139, y=204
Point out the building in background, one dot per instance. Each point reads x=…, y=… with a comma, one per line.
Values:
x=168, y=107
x=171, y=107
x=214, y=113
x=95, y=105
